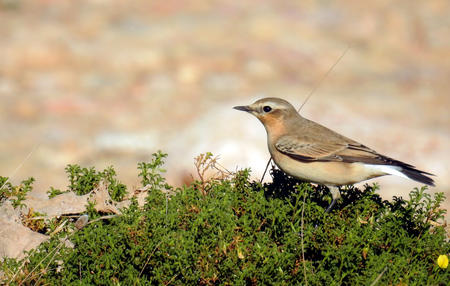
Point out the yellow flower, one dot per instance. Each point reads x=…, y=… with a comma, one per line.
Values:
x=241, y=255
x=442, y=261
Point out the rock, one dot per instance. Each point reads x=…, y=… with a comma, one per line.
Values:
x=14, y=237
x=67, y=203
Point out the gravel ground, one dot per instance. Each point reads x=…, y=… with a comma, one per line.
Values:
x=98, y=84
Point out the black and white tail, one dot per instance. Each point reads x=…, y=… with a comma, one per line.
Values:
x=407, y=171
x=417, y=175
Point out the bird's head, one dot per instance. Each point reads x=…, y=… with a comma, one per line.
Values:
x=270, y=111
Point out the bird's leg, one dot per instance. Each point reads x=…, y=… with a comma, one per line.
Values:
x=335, y=194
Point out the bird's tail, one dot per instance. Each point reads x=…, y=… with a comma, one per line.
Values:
x=419, y=176
x=408, y=171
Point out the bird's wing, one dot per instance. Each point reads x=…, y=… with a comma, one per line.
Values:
x=307, y=150
x=333, y=151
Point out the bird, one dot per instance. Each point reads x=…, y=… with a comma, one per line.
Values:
x=311, y=152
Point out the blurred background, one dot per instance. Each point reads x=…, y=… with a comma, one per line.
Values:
x=102, y=83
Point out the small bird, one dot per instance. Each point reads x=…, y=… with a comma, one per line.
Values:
x=309, y=151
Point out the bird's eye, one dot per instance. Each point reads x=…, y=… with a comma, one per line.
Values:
x=267, y=108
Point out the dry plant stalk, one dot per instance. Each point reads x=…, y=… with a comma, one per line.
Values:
x=102, y=199
x=31, y=221
x=209, y=171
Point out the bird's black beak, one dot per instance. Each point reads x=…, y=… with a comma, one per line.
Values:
x=242, y=108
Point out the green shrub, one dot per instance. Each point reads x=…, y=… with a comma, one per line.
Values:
x=83, y=180
x=17, y=194
x=240, y=232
